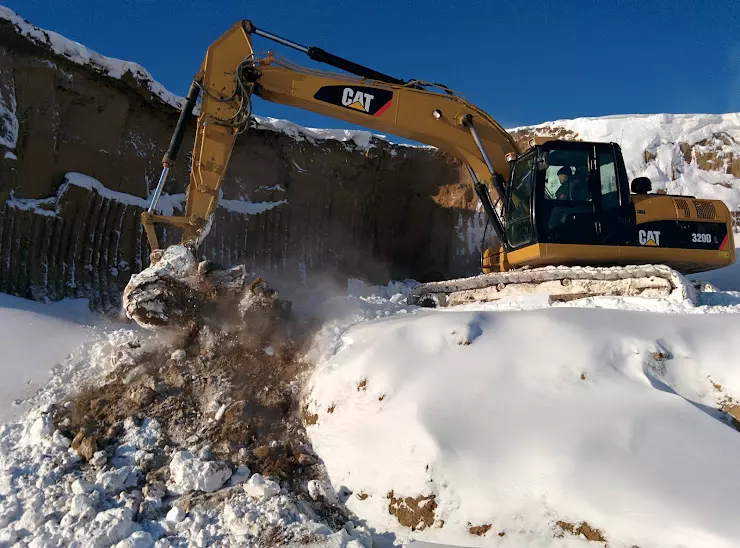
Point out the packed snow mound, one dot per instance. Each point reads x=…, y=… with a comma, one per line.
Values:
x=480, y=428
x=695, y=154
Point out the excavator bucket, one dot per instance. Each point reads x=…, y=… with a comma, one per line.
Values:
x=177, y=292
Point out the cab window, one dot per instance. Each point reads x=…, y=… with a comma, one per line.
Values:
x=608, y=176
x=566, y=176
x=519, y=229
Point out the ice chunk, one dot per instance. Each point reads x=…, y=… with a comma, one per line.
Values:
x=261, y=488
x=176, y=514
x=190, y=473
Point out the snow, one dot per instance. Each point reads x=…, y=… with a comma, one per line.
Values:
x=261, y=488
x=166, y=204
x=8, y=119
x=361, y=138
x=246, y=207
x=190, y=473
x=726, y=279
x=66, y=325
x=38, y=207
x=521, y=418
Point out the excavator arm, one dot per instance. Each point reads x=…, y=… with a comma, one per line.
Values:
x=231, y=73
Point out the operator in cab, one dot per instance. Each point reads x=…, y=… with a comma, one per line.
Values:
x=571, y=187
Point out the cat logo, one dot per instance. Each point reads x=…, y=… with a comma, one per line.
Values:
x=649, y=238
x=364, y=99
x=357, y=99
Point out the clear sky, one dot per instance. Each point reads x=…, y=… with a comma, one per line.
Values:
x=524, y=62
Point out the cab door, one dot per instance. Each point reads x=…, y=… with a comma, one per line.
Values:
x=615, y=213
x=567, y=211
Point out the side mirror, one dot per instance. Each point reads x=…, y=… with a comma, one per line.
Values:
x=641, y=185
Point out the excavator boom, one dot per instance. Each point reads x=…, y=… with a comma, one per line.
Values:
x=231, y=72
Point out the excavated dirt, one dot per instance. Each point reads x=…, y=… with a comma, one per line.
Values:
x=581, y=529
x=479, y=530
x=233, y=391
x=728, y=405
x=415, y=513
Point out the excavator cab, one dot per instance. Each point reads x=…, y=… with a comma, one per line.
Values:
x=569, y=203
x=567, y=193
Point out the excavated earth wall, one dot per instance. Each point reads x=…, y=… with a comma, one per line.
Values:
x=295, y=208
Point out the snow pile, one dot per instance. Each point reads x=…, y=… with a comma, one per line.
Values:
x=661, y=137
x=50, y=497
x=133, y=483
x=482, y=427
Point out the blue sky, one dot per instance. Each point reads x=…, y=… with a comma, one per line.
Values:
x=524, y=62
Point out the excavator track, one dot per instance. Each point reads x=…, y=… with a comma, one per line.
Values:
x=560, y=283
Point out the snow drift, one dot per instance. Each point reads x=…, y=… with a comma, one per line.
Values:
x=481, y=427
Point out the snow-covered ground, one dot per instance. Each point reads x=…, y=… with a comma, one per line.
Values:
x=492, y=424
x=38, y=339
x=506, y=419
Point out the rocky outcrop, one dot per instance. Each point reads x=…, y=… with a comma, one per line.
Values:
x=294, y=206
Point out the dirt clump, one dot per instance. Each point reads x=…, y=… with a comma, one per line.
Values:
x=416, y=513
x=85, y=445
x=583, y=528
x=728, y=405
x=479, y=530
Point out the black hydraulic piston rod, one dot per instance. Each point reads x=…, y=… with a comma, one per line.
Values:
x=170, y=156
x=485, y=198
x=323, y=56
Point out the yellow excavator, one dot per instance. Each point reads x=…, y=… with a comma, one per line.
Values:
x=567, y=220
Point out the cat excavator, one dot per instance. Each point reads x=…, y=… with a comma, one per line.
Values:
x=567, y=221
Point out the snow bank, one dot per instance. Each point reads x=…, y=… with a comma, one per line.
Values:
x=519, y=420
x=25, y=365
